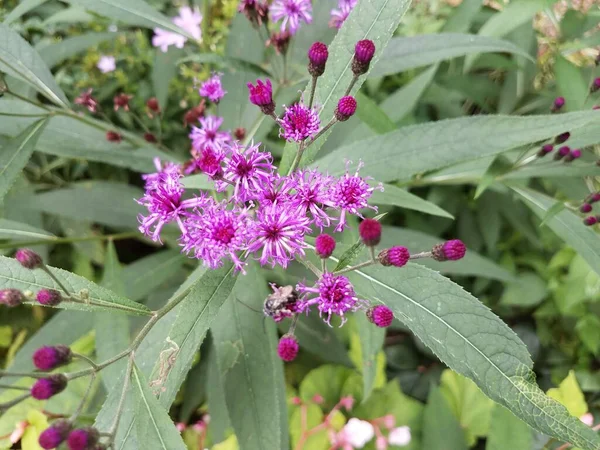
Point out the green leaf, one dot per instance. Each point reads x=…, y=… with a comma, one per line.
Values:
x=131, y=12
x=9, y=229
x=219, y=416
x=441, y=430
x=375, y=20
x=528, y=291
x=571, y=84
x=463, y=15
x=13, y=275
x=471, y=408
x=154, y=427
x=554, y=170
x=554, y=210
x=472, y=341
x=349, y=256
x=395, y=196
x=20, y=60
x=22, y=8
x=405, y=53
x=103, y=202
x=229, y=62
x=313, y=417
x=566, y=224
x=251, y=371
x=54, y=54
x=16, y=154
x=164, y=70
x=569, y=394
x=371, y=114
x=508, y=431
x=588, y=330
x=371, y=343
x=194, y=317
x=438, y=144
x=327, y=381
x=199, y=181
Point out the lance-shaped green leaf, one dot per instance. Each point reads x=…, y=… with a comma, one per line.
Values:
x=441, y=430
x=566, y=224
x=16, y=153
x=22, y=8
x=473, y=341
x=13, y=275
x=20, y=60
x=54, y=54
x=251, y=371
x=418, y=148
x=154, y=427
x=147, y=274
x=395, y=196
x=375, y=20
x=9, y=229
x=371, y=342
x=508, y=431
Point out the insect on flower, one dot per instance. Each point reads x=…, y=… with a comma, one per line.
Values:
x=281, y=303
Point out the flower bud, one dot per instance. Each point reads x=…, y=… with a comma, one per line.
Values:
x=192, y=115
x=280, y=41
x=449, y=251
x=562, y=152
x=395, y=256
x=44, y=388
x=324, y=245
x=563, y=137
x=49, y=297
x=346, y=108
x=380, y=315
x=122, y=101
x=370, y=232
x=149, y=137
x=49, y=358
x=261, y=95
x=575, y=154
x=593, y=198
x=152, y=105
x=83, y=439
x=317, y=58
x=363, y=54
x=113, y=136
x=11, y=297
x=288, y=348
x=55, y=435
x=28, y=258
x=545, y=150
x=589, y=221
x=585, y=208
x=558, y=103
x=595, y=85
x=239, y=133
x=255, y=11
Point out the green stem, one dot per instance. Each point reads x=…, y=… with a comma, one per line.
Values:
x=23, y=374
x=313, y=88
x=77, y=413
x=297, y=159
x=14, y=388
x=115, y=425
x=352, y=83
x=421, y=255
x=16, y=401
x=358, y=266
x=304, y=145
x=86, y=359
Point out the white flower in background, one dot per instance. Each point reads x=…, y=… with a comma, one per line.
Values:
x=189, y=20
x=399, y=436
x=106, y=64
x=588, y=419
x=358, y=432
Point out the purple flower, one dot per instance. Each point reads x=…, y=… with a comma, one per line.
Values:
x=261, y=95
x=279, y=234
x=208, y=160
x=299, y=122
x=380, y=315
x=339, y=16
x=212, y=88
x=351, y=194
x=275, y=191
x=292, y=12
x=85, y=99
x=335, y=295
x=209, y=133
x=324, y=245
x=189, y=20
x=215, y=233
x=248, y=169
x=313, y=195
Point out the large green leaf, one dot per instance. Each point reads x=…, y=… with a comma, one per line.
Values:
x=154, y=427
x=54, y=54
x=163, y=71
x=371, y=343
x=147, y=274
x=570, y=83
x=10, y=229
x=406, y=53
x=393, y=195
x=508, y=431
x=251, y=371
x=20, y=60
x=441, y=429
x=372, y=115
x=567, y=225
x=418, y=148
x=13, y=275
x=22, y=8
x=375, y=20
x=16, y=153
x=472, y=341
x=131, y=12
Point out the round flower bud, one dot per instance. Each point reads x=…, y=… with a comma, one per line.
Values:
x=380, y=315
x=44, y=388
x=83, y=439
x=261, y=95
x=49, y=297
x=49, y=358
x=363, y=54
x=317, y=58
x=55, y=435
x=113, y=136
x=562, y=152
x=558, y=103
x=152, y=104
x=239, y=133
x=589, y=221
x=192, y=115
x=545, y=150
x=288, y=348
x=370, y=232
x=585, y=208
x=563, y=137
x=593, y=198
x=324, y=245
x=28, y=258
x=149, y=137
x=11, y=297
x=575, y=154
x=346, y=108
x=395, y=256
x=122, y=101
x=449, y=251
x=595, y=85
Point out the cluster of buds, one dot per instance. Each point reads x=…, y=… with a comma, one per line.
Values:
x=587, y=207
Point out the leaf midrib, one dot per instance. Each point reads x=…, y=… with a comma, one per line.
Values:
x=33, y=132
x=143, y=396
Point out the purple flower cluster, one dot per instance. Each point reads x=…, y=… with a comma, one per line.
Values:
x=341, y=13
x=292, y=12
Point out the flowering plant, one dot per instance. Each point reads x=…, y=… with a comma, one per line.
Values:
x=280, y=244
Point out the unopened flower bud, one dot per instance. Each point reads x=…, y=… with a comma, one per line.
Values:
x=149, y=137
x=545, y=150
x=317, y=58
x=380, y=315
x=585, y=208
x=288, y=348
x=595, y=85
x=50, y=357
x=449, y=251
x=370, y=232
x=558, y=103
x=280, y=41
x=346, y=108
x=396, y=256
x=28, y=258
x=192, y=115
x=122, y=101
x=261, y=95
x=44, y=388
x=11, y=297
x=49, y=297
x=593, y=198
x=239, y=133
x=563, y=137
x=152, y=105
x=363, y=54
x=324, y=245
x=255, y=11
x=113, y=136
x=83, y=438
x=55, y=435
x=562, y=152
x=589, y=221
